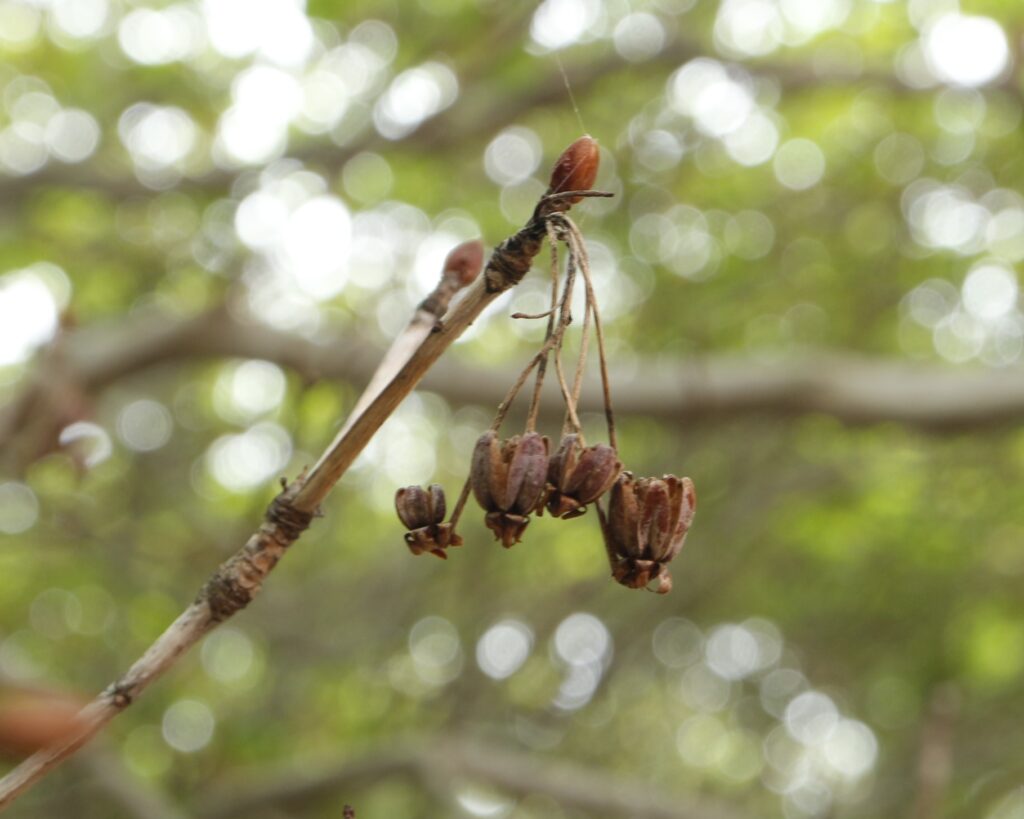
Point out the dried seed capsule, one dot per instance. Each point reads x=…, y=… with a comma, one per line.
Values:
x=576, y=169
x=508, y=480
x=648, y=519
x=579, y=476
x=422, y=512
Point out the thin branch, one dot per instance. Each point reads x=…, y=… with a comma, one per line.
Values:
x=237, y=581
x=935, y=757
x=441, y=761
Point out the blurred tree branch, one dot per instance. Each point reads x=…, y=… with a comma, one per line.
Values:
x=137, y=797
x=854, y=389
x=935, y=757
x=440, y=760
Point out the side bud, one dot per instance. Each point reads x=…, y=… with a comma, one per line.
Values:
x=464, y=262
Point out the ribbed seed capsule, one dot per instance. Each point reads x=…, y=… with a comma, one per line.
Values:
x=648, y=519
x=422, y=512
x=507, y=478
x=577, y=476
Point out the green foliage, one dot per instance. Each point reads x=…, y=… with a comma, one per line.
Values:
x=874, y=566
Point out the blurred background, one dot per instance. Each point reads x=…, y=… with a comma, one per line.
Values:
x=214, y=216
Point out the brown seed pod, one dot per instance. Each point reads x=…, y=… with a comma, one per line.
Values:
x=648, y=519
x=508, y=479
x=422, y=512
x=578, y=476
x=576, y=169
x=464, y=262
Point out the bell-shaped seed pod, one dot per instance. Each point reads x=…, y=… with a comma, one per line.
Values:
x=576, y=168
x=527, y=472
x=422, y=512
x=507, y=478
x=598, y=468
x=647, y=523
x=577, y=478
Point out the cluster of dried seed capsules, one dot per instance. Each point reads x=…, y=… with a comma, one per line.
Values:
x=644, y=527
x=647, y=518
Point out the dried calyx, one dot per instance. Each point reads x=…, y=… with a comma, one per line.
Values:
x=648, y=519
x=422, y=511
x=508, y=480
x=578, y=476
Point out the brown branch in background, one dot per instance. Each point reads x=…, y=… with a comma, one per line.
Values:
x=441, y=761
x=852, y=388
x=935, y=757
x=136, y=796
x=237, y=581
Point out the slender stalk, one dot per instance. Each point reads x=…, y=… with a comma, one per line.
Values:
x=531, y=417
x=237, y=581
x=460, y=504
x=580, y=249
x=564, y=319
x=581, y=361
x=603, y=520
x=517, y=385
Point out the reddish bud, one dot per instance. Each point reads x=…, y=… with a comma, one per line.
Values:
x=465, y=262
x=576, y=168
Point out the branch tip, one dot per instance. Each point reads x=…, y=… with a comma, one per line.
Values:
x=576, y=168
